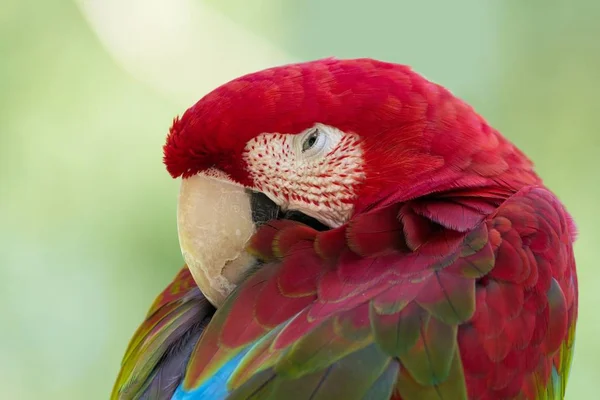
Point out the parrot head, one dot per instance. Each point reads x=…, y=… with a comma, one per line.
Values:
x=320, y=142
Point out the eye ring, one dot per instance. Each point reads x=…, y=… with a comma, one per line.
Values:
x=310, y=141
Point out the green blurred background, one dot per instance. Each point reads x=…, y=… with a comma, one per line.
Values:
x=88, y=89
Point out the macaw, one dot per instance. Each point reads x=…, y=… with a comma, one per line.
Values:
x=352, y=230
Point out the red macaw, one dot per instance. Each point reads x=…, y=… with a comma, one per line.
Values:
x=363, y=234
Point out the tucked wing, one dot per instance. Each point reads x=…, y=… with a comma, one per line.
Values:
x=519, y=342
x=155, y=360
x=462, y=295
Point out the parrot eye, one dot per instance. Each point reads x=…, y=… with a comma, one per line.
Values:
x=315, y=143
x=310, y=140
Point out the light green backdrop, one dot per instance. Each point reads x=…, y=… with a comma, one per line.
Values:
x=88, y=89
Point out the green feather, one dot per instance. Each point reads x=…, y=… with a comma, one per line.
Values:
x=397, y=333
x=449, y=298
x=429, y=360
x=351, y=377
x=368, y=373
x=259, y=386
x=453, y=388
x=319, y=349
x=383, y=387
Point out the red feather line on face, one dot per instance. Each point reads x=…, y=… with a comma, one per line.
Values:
x=415, y=134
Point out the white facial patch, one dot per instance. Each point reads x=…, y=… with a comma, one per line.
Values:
x=315, y=172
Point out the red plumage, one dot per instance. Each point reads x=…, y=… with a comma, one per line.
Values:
x=453, y=244
x=509, y=335
x=418, y=137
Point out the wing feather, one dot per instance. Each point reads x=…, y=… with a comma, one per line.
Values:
x=442, y=298
x=156, y=358
x=457, y=296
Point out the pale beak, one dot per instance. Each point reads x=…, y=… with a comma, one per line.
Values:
x=215, y=220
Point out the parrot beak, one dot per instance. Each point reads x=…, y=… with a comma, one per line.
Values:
x=215, y=221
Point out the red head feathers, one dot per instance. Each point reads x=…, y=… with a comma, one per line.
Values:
x=416, y=136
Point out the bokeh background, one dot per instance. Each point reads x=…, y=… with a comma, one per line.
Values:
x=88, y=89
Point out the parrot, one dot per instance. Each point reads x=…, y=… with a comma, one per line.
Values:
x=353, y=230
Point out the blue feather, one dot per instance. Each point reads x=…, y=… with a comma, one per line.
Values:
x=215, y=388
